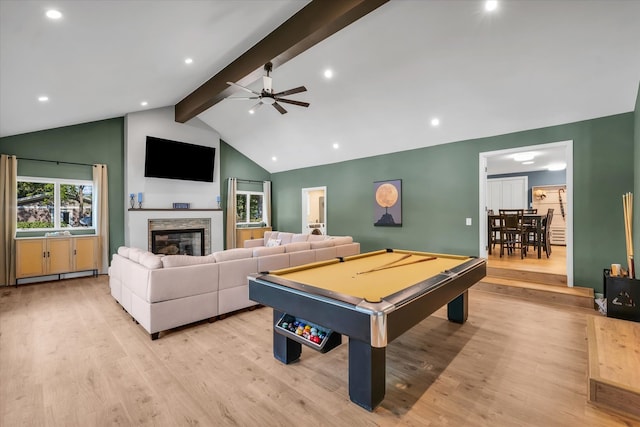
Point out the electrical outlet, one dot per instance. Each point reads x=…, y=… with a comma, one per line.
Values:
x=468, y=221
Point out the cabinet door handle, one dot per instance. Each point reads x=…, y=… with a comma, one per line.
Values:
x=48, y=254
x=74, y=251
x=44, y=254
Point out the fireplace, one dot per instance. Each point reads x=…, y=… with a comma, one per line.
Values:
x=178, y=242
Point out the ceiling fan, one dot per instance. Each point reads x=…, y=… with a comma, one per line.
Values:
x=266, y=96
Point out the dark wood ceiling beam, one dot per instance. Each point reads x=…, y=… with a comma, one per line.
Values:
x=312, y=24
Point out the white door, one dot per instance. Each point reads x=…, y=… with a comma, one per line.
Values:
x=507, y=193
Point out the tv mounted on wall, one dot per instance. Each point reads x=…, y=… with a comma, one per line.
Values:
x=178, y=160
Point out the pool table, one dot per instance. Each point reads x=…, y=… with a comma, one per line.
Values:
x=372, y=298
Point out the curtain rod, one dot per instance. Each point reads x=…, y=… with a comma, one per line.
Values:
x=54, y=161
x=251, y=181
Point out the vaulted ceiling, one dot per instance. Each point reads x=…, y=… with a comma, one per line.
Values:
x=528, y=64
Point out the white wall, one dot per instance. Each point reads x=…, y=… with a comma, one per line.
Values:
x=160, y=193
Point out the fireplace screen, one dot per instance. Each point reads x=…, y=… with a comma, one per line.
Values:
x=178, y=242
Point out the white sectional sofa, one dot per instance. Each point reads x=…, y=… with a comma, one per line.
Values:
x=164, y=292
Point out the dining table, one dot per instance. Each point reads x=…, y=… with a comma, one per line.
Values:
x=530, y=219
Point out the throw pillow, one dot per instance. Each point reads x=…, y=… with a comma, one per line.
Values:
x=273, y=242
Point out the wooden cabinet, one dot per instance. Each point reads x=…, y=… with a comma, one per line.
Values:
x=58, y=258
x=31, y=255
x=249, y=233
x=55, y=255
x=85, y=253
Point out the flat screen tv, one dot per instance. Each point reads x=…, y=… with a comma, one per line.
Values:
x=178, y=160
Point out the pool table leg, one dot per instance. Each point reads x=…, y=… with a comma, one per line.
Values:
x=284, y=349
x=367, y=374
x=458, y=308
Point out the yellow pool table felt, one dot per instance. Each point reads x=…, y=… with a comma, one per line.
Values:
x=393, y=272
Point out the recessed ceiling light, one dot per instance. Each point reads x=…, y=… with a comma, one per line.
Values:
x=435, y=121
x=328, y=73
x=557, y=166
x=523, y=157
x=336, y=145
x=274, y=158
x=252, y=111
x=43, y=98
x=490, y=5
x=53, y=14
x=530, y=162
x=144, y=103
x=188, y=61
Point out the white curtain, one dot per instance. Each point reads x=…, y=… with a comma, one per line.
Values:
x=101, y=204
x=231, y=212
x=266, y=189
x=8, y=212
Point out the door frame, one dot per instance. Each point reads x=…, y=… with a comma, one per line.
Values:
x=482, y=211
x=303, y=207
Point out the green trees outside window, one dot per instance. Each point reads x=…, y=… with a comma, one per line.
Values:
x=54, y=204
x=249, y=207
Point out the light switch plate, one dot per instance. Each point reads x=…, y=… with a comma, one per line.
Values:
x=468, y=221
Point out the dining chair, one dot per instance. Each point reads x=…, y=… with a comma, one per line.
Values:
x=546, y=232
x=494, y=228
x=512, y=232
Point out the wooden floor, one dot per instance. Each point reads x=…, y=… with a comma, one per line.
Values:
x=70, y=356
x=555, y=264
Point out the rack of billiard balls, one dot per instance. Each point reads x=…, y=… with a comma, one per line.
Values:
x=305, y=332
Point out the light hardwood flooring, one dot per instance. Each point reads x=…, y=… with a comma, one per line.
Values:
x=70, y=356
x=555, y=264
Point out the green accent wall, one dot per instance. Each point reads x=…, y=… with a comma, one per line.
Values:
x=89, y=143
x=234, y=164
x=440, y=187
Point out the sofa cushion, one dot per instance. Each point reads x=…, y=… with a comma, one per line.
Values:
x=270, y=235
x=342, y=240
x=135, y=253
x=231, y=254
x=285, y=237
x=169, y=261
x=264, y=251
x=151, y=261
x=123, y=251
x=316, y=238
x=322, y=244
x=296, y=247
x=299, y=238
x=273, y=242
x=273, y=262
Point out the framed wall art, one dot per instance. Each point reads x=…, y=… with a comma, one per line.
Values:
x=387, y=203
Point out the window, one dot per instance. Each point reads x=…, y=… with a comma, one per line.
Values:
x=249, y=207
x=54, y=204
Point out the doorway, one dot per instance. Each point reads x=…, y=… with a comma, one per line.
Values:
x=314, y=210
x=505, y=162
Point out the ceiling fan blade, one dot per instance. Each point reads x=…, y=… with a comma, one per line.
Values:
x=279, y=108
x=255, y=107
x=243, y=88
x=267, y=84
x=289, y=101
x=243, y=98
x=291, y=91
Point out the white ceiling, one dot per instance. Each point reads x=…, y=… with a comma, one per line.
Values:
x=530, y=64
